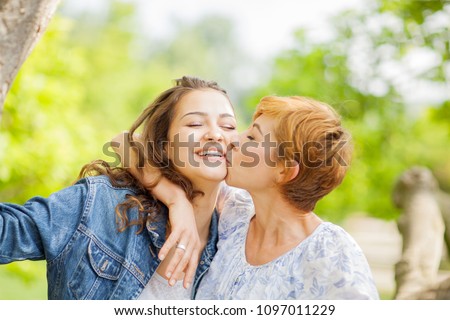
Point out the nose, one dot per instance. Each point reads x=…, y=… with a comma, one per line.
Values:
x=213, y=135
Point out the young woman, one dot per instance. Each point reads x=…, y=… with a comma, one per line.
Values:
x=271, y=243
x=101, y=237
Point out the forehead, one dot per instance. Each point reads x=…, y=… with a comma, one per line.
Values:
x=265, y=123
x=208, y=101
x=265, y=126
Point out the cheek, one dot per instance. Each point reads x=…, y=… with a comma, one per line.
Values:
x=183, y=144
x=254, y=166
x=250, y=172
x=249, y=160
x=230, y=137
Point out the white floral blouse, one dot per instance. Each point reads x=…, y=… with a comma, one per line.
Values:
x=328, y=264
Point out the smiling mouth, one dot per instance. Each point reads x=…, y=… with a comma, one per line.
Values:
x=211, y=153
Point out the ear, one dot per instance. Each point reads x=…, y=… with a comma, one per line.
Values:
x=289, y=171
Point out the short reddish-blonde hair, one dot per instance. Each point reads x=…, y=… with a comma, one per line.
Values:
x=309, y=133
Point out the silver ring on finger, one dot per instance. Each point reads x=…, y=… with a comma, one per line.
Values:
x=181, y=246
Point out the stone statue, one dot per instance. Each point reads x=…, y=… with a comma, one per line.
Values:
x=422, y=227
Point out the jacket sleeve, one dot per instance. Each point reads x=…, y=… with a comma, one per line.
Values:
x=42, y=227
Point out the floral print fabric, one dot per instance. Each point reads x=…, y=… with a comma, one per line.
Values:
x=327, y=265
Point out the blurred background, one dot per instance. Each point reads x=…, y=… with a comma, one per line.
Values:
x=383, y=64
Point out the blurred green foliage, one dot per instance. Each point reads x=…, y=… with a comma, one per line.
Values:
x=88, y=79
x=351, y=73
x=90, y=76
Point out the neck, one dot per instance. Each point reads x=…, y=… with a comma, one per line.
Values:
x=278, y=222
x=203, y=207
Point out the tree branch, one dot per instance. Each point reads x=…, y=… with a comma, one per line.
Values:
x=22, y=23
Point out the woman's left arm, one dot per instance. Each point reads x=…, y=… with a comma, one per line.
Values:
x=181, y=214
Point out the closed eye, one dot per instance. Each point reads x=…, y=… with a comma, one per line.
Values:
x=194, y=125
x=229, y=127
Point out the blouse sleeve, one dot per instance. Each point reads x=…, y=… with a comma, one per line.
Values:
x=339, y=269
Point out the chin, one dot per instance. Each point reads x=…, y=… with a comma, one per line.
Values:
x=212, y=174
x=214, y=177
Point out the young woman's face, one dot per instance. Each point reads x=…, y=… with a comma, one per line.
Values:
x=201, y=130
x=252, y=165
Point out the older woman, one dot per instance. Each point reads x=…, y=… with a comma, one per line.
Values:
x=271, y=243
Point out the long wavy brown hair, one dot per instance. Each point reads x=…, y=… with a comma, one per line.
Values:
x=156, y=120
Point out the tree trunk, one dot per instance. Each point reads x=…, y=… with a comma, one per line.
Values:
x=22, y=22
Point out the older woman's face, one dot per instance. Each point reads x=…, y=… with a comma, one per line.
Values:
x=252, y=165
x=200, y=132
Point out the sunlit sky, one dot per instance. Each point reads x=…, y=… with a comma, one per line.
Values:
x=263, y=27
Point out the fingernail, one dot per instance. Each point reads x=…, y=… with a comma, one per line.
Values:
x=188, y=285
x=168, y=274
x=161, y=257
x=172, y=282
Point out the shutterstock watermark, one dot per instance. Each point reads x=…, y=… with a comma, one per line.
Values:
x=192, y=153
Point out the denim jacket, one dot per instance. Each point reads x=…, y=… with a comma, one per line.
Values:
x=75, y=230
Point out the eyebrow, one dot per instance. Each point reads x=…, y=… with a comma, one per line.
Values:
x=258, y=127
x=204, y=114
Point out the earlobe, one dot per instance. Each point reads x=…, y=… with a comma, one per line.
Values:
x=290, y=171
